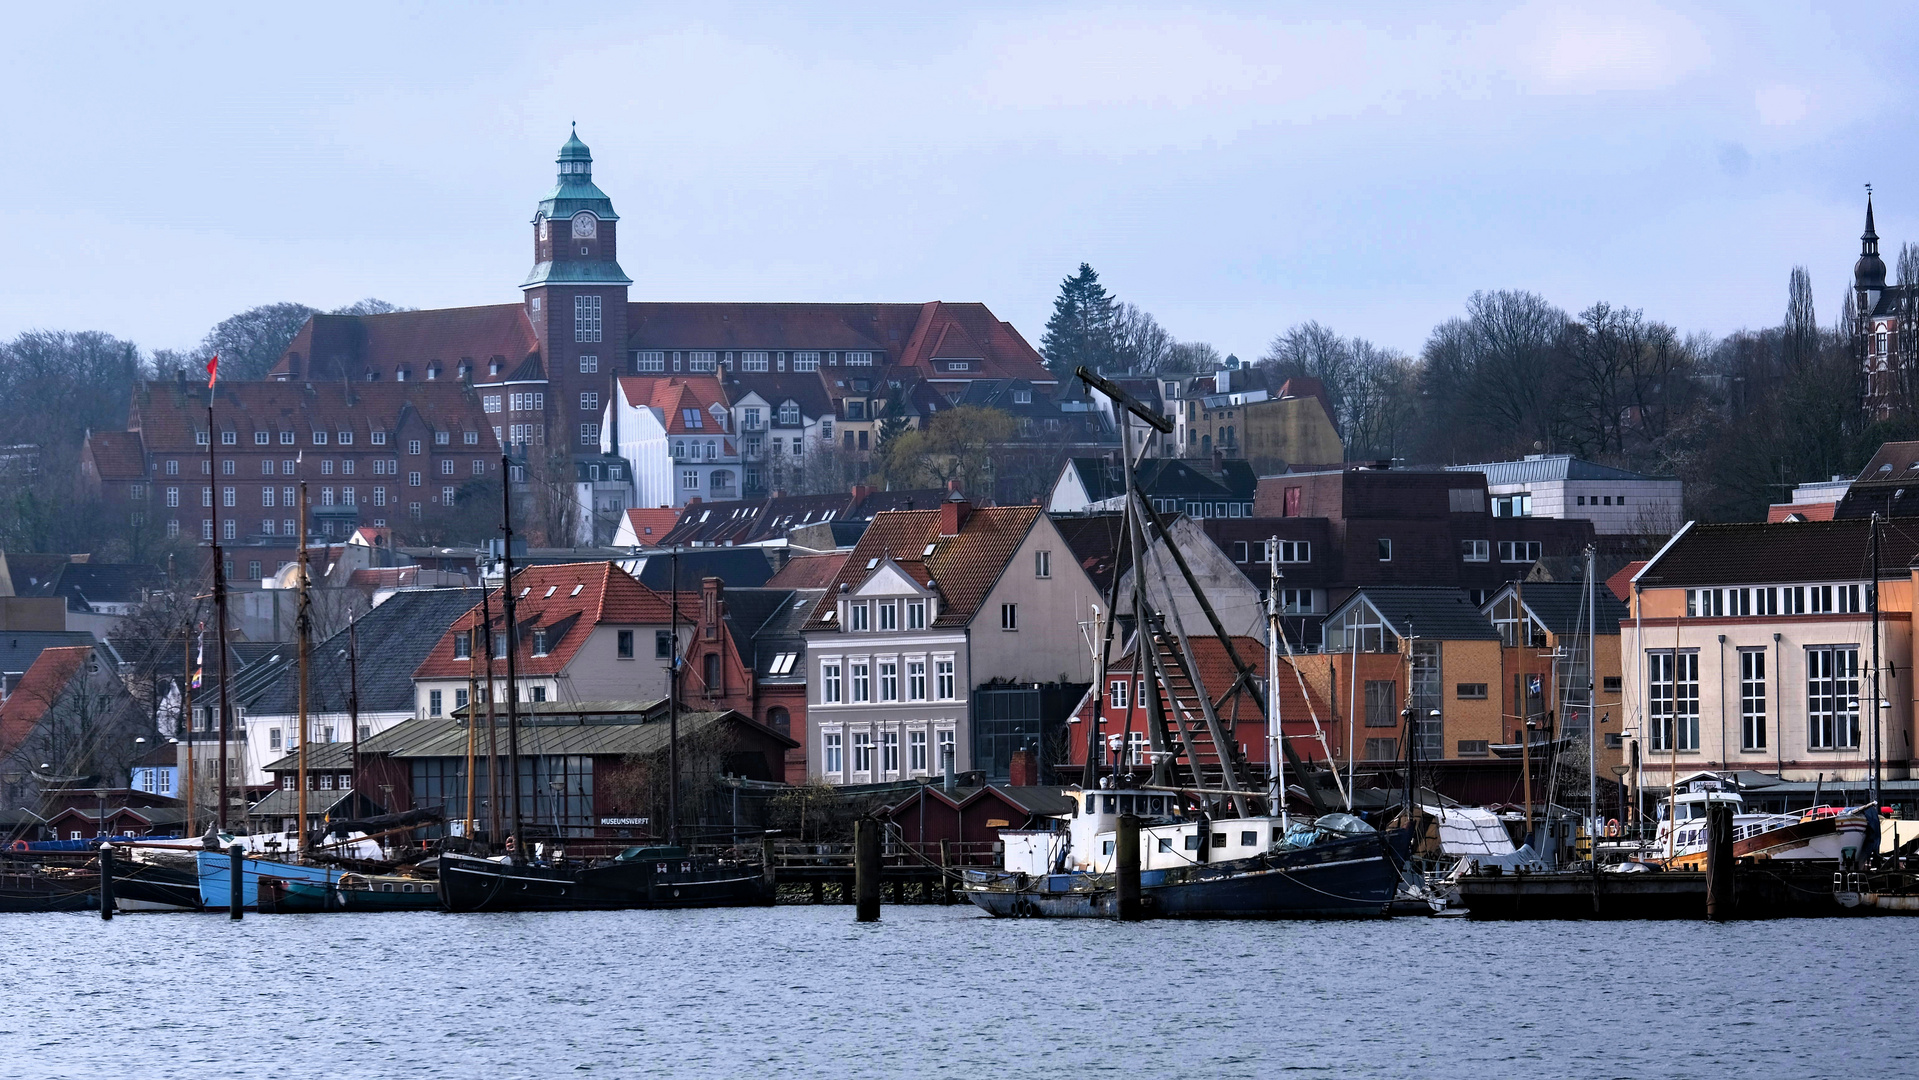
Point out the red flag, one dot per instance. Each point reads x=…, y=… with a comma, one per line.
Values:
x=213, y=371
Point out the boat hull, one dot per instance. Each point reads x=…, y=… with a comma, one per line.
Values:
x=470, y=884
x=1356, y=878
x=215, y=868
x=139, y=886
x=31, y=892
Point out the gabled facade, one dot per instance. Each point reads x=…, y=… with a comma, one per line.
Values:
x=677, y=433
x=931, y=605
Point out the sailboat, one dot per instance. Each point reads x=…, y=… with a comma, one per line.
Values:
x=1202, y=852
x=665, y=876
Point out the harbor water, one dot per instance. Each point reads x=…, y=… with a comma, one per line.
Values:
x=805, y=991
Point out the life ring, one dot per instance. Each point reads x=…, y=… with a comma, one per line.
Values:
x=18, y=845
x=1612, y=827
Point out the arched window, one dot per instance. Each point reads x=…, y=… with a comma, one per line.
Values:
x=712, y=672
x=1206, y=443
x=779, y=720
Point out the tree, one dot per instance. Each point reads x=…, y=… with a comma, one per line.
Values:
x=250, y=343
x=1801, y=329
x=1187, y=356
x=1140, y=344
x=894, y=422
x=372, y=305
x=955, y=445
x=1081, y=329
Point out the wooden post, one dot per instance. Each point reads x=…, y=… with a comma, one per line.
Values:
x=106, y=881
x=866, y=870
x=1719, y=860
x=1126, y=865
x=237, y=863
x=946, y=871
x=767, y=871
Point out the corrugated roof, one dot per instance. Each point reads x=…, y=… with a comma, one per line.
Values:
x=391, y=641
x=621, y=735
x=1541, y=468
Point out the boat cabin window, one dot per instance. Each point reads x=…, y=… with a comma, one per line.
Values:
x=1249, y=839
x=1166, y=843
x=1106, y=848
x=1219, y=839
x=1112, y=804
x=1192, y=842
x=1279, y=835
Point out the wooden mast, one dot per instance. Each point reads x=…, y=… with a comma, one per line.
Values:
x=353, y=710
x=185, y=726
x=673, y=710
x=220, y=615
x=512, y=688
x=472, y=714
x=492, y=727
x=303, y=647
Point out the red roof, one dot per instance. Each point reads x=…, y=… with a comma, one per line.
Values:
x=383, y=577
x=117, y=455
x=808, y=572
x=971, y=332
x=36, y=692
x=1621, y=583
x=1819, y=511
x=169, y=416
x=673, y=395
x=567, y=600
x=650, y=526
x=350, y=346
x=962, y=568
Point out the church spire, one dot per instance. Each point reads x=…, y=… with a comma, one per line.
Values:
x=1870, y=271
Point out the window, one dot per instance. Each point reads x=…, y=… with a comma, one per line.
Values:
x=1475, y=748
x=1385, y=550
x=943, y=679
x=1475, y=550
x=229, y=438
x=755, y=361
x=889, y=751
x=889, y=615
x=830, y=760
x=273, y=738
x=345, y=438
x=946, y=748
x=1752, y=699
x=491, y=403
x=589, y=365
x=589, y=401
x=173, y=527
x=623, y=645
x=889, y=680
x=1116, y=694
x=1295, y=551
x=862, y=751
x=806, y=361
x=1470, y=691
x=413, y=446
x=1832, y=697
x=1042, y=564
x=463, y=645
x=479, y=465
x=1673, y=698
x=326, y=496
x=539, y=641
x=229, y=529
x=446, y=467
x=413, y=479
x=1512, y=505
x=862, y=680
x=915, y=680
x=433, y=702
x=589, y=434
x=1009, y=616
x=442, y=438
x=200, y=438
x=1382, y=749
x=690, y=479
x=662, y=644
x=1382, y=703
x=227, y=496
x=379, y=496
x=173, y=468
x=326, y=467
x=702, y=361
x=829, y=683
x=1519, y=551
x=916, y=614
x=857, y=616
x=173, y=496
x=916, y=751
x=586, y=318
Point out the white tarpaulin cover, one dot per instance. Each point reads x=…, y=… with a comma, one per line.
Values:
x=1470, y=831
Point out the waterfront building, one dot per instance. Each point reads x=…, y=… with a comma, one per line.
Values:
x=747, y=654
x=1544, y=672
x=587, y=631
x=931, y=609
x=1752, y=647
x=68, y=715
x=1220, y=487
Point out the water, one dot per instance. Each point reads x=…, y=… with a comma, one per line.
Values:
x=804, y=991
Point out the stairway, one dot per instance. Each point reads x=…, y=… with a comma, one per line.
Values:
x=1186, y=715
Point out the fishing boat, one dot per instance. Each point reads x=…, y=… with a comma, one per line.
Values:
x=288, y=896
x=216, y=876
x=639, y=877
x=1333, y=867
x=36, y=889
x=154, y=878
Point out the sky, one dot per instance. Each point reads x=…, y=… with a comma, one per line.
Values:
x=1233, y=169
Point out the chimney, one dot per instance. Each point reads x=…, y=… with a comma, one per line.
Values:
x=946, y=765
x=860, y=492
x=953, y=514
x=1023, y=770
x=1219, y=461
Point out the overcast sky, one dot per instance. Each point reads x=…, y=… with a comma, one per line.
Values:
x=1232, y=169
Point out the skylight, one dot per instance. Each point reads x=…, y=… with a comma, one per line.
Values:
x=576, y=590
x=871, y=563
x=550, y=590
x=929, y=549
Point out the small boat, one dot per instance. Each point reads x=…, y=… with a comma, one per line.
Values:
x=215, y=869
x=639, y=877
x=387, y=892
x=1334, y=867
x=289, y=896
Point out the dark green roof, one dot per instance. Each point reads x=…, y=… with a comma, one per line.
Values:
x=574, y=149
x=1440, y=614
x=603, y=272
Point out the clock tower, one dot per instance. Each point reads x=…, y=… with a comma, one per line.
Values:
x=576, y=302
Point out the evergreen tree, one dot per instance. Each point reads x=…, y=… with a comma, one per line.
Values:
x=1081, y=329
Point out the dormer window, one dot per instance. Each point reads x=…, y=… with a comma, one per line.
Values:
x=463, y=645
x=319, y=438
x=229, y=438
x=286, y=438
x=539, y=641
x=857, y=615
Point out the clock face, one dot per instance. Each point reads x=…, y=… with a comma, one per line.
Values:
x=584, y=223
